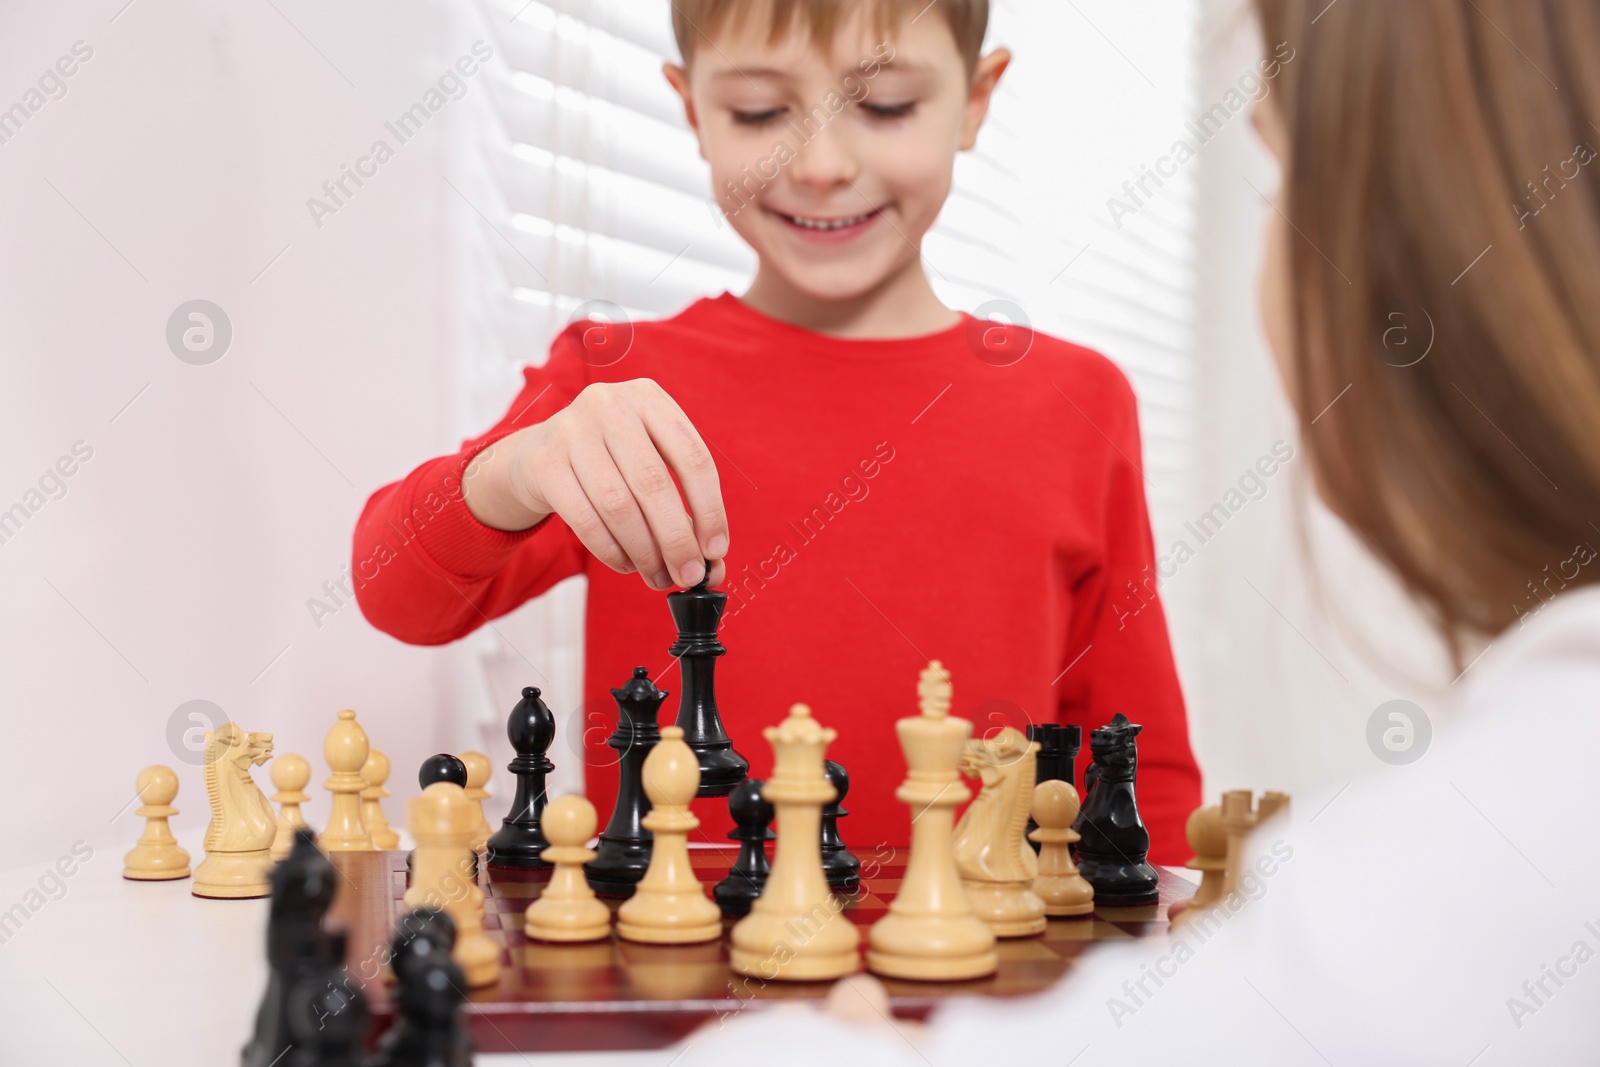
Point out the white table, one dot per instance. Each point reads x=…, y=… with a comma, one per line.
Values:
x=144, y=974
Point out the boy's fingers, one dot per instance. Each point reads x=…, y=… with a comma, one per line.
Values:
x=609, y=493
x=719, y=571
x=566, y=498
x=681, y=445
x=650, y=478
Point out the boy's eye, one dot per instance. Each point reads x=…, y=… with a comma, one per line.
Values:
x=757, y=118
x=890, y=111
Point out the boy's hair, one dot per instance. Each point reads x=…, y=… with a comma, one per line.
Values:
x=696, y=21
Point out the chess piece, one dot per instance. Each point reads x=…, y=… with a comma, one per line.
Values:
x=930, y=932
x=1112, y=851
x=519, y=842
x=1059, y=745
x=795, y=930
x=302, y=891
x=567, y=909
x=751, y=817
x=290, y=776
x=327, y=1013
x=442, y=767
x=427, y=1031
x=375, y=772
x=157, y=857
x=669, y=906
x=478, y=770
x=1063, y=890
x=988, y=841
x=842, y=870
x=1209, y=839
x=697, y=613
x=345, y=749
x=1240, y=816
x=441, y=823
x=623, y=852
x=238, y=842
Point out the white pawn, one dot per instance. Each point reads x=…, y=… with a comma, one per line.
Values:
x=568, y=910
x=478, y=771
x=375, y=772
x=290, y=774
x=157, y=857
x=670, y=906
x=440, y=821
x=1063, y=890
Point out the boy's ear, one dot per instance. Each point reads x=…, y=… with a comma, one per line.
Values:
x=678, y=78
x=985, y=76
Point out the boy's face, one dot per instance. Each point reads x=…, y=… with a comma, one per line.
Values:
x=833, y=160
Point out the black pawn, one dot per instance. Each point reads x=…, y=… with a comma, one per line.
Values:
x=623, y=851
x=842, y=869
x=1058, y=749
x=1112, y=851
x=302, y=891
x=327, y=1014
x=428, y=996
x=748, y=875
x=697, y=613
x=442, y=767
x=519, y=842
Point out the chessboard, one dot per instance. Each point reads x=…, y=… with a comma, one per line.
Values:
x=615, y=994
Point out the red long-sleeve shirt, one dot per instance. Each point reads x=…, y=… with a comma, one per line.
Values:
x=890, y=502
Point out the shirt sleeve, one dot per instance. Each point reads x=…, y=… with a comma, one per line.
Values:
x=1118, y=655
x=425, y=569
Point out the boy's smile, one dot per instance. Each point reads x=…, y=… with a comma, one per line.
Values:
x=832, y=160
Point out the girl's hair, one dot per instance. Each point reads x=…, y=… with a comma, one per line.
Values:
x=694, y=22
x=1442, y=183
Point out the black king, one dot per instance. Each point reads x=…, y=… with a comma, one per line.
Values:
x=697, y=613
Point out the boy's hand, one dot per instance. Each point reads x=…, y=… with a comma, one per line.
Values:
x=605, y=464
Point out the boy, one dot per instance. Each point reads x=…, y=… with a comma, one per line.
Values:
x=905, y=487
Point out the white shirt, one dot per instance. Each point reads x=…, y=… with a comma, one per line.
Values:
x=1442, y=912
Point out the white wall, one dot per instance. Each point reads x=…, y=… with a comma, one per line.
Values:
x=179, y=562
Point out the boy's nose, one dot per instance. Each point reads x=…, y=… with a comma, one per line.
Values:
x=825, y=157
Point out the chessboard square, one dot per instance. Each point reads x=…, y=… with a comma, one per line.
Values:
x=560, y=961
x=678, y=981
x=1022, y=949
x=519, y=891
x=1096, y=929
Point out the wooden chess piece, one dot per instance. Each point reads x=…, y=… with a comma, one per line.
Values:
x=567, y=909
x=669, y=906
x=623, y=852
x=1112, y=850
x=478, y=771
x=302, y=891
x=345, y=749
x=519, y=842
x=697, y=613
x=427, y=998
x=796, y=930
x=441, y=823
x=375, y=772
x=930, y=932
x=1240, y=817
x=442, y=767
x=1209, y=839
x=328, y=1014
x=842, y=870
x=1059, y=745
x=748, y=876
x=290, y=775
x=157, y=857
x=1063, y=890
x=988, y=843
x=238, y=841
